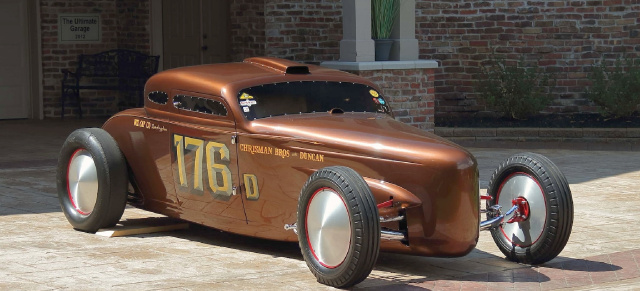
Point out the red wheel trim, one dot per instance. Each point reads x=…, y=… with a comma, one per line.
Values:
x=523, y=210
x=73, y=203
x=306, y=215
x=545, y=205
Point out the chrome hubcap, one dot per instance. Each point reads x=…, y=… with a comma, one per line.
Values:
x=82, y=182
x=523, y=186
x=328, y=227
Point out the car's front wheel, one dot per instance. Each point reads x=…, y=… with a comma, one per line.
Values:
x=92, y=180
x=540, y=228
x=338, y=227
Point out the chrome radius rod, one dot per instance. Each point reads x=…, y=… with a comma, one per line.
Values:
x=498, y=220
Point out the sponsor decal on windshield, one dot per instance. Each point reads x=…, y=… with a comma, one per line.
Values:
x=245, y=96
x=248, y=102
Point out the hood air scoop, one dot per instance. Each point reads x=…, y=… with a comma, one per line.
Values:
x=280, y=65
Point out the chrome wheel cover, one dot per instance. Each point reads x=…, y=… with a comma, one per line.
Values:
x=328, y=227
x=525, y=233
x=82, y=181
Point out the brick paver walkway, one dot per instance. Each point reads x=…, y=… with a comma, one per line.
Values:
x=40, y=251
x=571, y=273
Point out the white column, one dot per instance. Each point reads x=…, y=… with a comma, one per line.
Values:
x=405, y=44
x=356, y=44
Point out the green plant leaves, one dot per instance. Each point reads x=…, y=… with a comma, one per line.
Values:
x=383, y=15
x=616, y=89
x=514, y=88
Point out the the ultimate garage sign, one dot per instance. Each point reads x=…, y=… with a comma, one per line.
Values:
x=79, y=28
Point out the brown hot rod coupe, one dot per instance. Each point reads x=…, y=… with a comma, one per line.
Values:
x=280, y=150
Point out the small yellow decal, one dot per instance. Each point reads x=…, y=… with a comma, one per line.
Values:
x=148, y=125
x=264, y=150
x=282, y=153
x=312, y=157
x=256, y=149
x=373, y=93
x=245, y=96
x=251, y=187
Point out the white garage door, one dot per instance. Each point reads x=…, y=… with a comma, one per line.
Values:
x=14, y=60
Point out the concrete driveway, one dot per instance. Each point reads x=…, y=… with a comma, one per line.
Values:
x=40, y=251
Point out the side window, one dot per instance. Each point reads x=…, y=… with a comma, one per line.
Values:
x=198, y=104
x=158, y=97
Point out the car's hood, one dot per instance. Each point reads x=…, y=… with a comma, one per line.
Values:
x=375, y=135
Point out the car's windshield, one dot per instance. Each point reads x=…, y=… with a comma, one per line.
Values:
x=309, y=97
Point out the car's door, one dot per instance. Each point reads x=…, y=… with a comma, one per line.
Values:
x=204, y=160
x=272, y=175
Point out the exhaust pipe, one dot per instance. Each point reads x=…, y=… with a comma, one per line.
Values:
x=390, y=219
x=384, y=234
x=391, y=235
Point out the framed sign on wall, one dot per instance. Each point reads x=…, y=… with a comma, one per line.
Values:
x=74, y=28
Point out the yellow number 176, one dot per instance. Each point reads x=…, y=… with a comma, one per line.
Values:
x=218, y=173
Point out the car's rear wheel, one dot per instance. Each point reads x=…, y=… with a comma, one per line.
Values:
x=540, y=228
x=92, y=180
x=338, y=227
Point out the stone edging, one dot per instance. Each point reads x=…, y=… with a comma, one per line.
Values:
x=573, y=138
x=380, y=65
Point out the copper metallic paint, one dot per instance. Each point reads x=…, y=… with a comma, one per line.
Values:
x=435, y=180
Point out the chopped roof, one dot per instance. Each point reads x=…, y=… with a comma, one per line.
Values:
x=232, y=77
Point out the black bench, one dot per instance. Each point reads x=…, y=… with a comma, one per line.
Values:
x=119, y=69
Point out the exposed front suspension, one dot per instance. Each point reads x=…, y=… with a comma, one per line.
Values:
x=519, y=209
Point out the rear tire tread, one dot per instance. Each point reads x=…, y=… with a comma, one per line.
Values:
x=112, y=179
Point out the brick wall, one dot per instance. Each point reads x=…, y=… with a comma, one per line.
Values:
x=567, y=37
x=124, y=24
x=303, y=30
x=247, y=29
x=409, y=92
x=134, y=25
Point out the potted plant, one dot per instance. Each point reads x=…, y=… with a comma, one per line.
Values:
x=383, y=16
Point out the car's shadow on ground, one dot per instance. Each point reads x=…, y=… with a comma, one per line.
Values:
x=399, y=269
x=582, y=265
x=482, y=267
x=211, y=236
